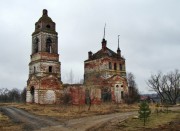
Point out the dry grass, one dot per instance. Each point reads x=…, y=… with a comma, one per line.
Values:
x=7, y=125
x=73, y=111
x=155, y=121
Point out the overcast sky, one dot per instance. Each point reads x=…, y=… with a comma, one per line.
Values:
x=149, y=39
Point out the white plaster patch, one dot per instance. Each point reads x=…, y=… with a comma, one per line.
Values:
x=50, y=97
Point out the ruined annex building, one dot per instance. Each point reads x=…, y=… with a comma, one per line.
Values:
x=104, y=71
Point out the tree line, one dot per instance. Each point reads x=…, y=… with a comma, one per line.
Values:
x=12, y=95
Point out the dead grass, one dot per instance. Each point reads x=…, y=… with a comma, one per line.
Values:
x=155, y=121
x=7, y=125
x=72, y=111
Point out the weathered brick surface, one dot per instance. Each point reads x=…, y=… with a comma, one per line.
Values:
x=104, y=71
x=44, y=83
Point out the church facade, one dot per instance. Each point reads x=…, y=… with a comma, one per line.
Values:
x=104, y=71
x=106, y=74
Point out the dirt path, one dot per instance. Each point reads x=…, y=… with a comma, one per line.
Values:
x=29, y=121
x=89, y=123
x=44, y=123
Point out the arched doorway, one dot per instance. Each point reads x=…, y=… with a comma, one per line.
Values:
x=32, y=94
x=106, y=94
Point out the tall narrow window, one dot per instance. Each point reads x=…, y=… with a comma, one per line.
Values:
x=35, y=45
x=34, y=69
x=122, y=94
x=50, y=68
x=120, y=67
x=115, y=66
x=49, y=45
x=110, y=65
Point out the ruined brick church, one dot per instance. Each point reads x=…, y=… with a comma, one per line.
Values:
x=104, y=71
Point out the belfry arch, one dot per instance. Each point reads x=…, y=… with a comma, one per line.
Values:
x=35, y=45
x=49, y=45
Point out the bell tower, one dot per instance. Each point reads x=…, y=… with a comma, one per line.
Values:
x=44, y=82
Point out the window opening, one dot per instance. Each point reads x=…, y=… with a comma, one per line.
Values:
x=48, y=45
x=34, y=69
x=50, y=68
x=106, y=94
x=120, y=67
x=110, y=65
x=122, y=94
x=36, y=42
x=32, y=93
x=115, y=66
x=48, y=26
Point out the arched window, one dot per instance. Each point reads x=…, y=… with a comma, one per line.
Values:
x=49, y=45
x=35, y=45
x=110, y=65
x=115, y=66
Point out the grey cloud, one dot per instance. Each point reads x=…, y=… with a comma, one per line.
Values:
x=149, y=35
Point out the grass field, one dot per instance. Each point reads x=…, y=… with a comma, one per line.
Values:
x=69, y=112
x=160, y=121
x=73, y=111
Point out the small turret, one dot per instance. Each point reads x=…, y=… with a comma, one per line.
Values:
x=104, y=42
x=89, y=55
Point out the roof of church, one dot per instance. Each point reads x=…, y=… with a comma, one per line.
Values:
x=45, y=24
x=103, y=53
x=45, y=17
x=106, y=52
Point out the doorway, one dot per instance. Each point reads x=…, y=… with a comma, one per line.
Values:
x=32, y=93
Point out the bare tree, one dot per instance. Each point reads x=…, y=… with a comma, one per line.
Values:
x=23, y=95
x=133, y=95
x=166, y=86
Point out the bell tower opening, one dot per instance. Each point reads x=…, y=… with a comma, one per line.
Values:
x=35, y=45
x=49, y=45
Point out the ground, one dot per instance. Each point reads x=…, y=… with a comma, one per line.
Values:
x=163, y=121
x=100, y=117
